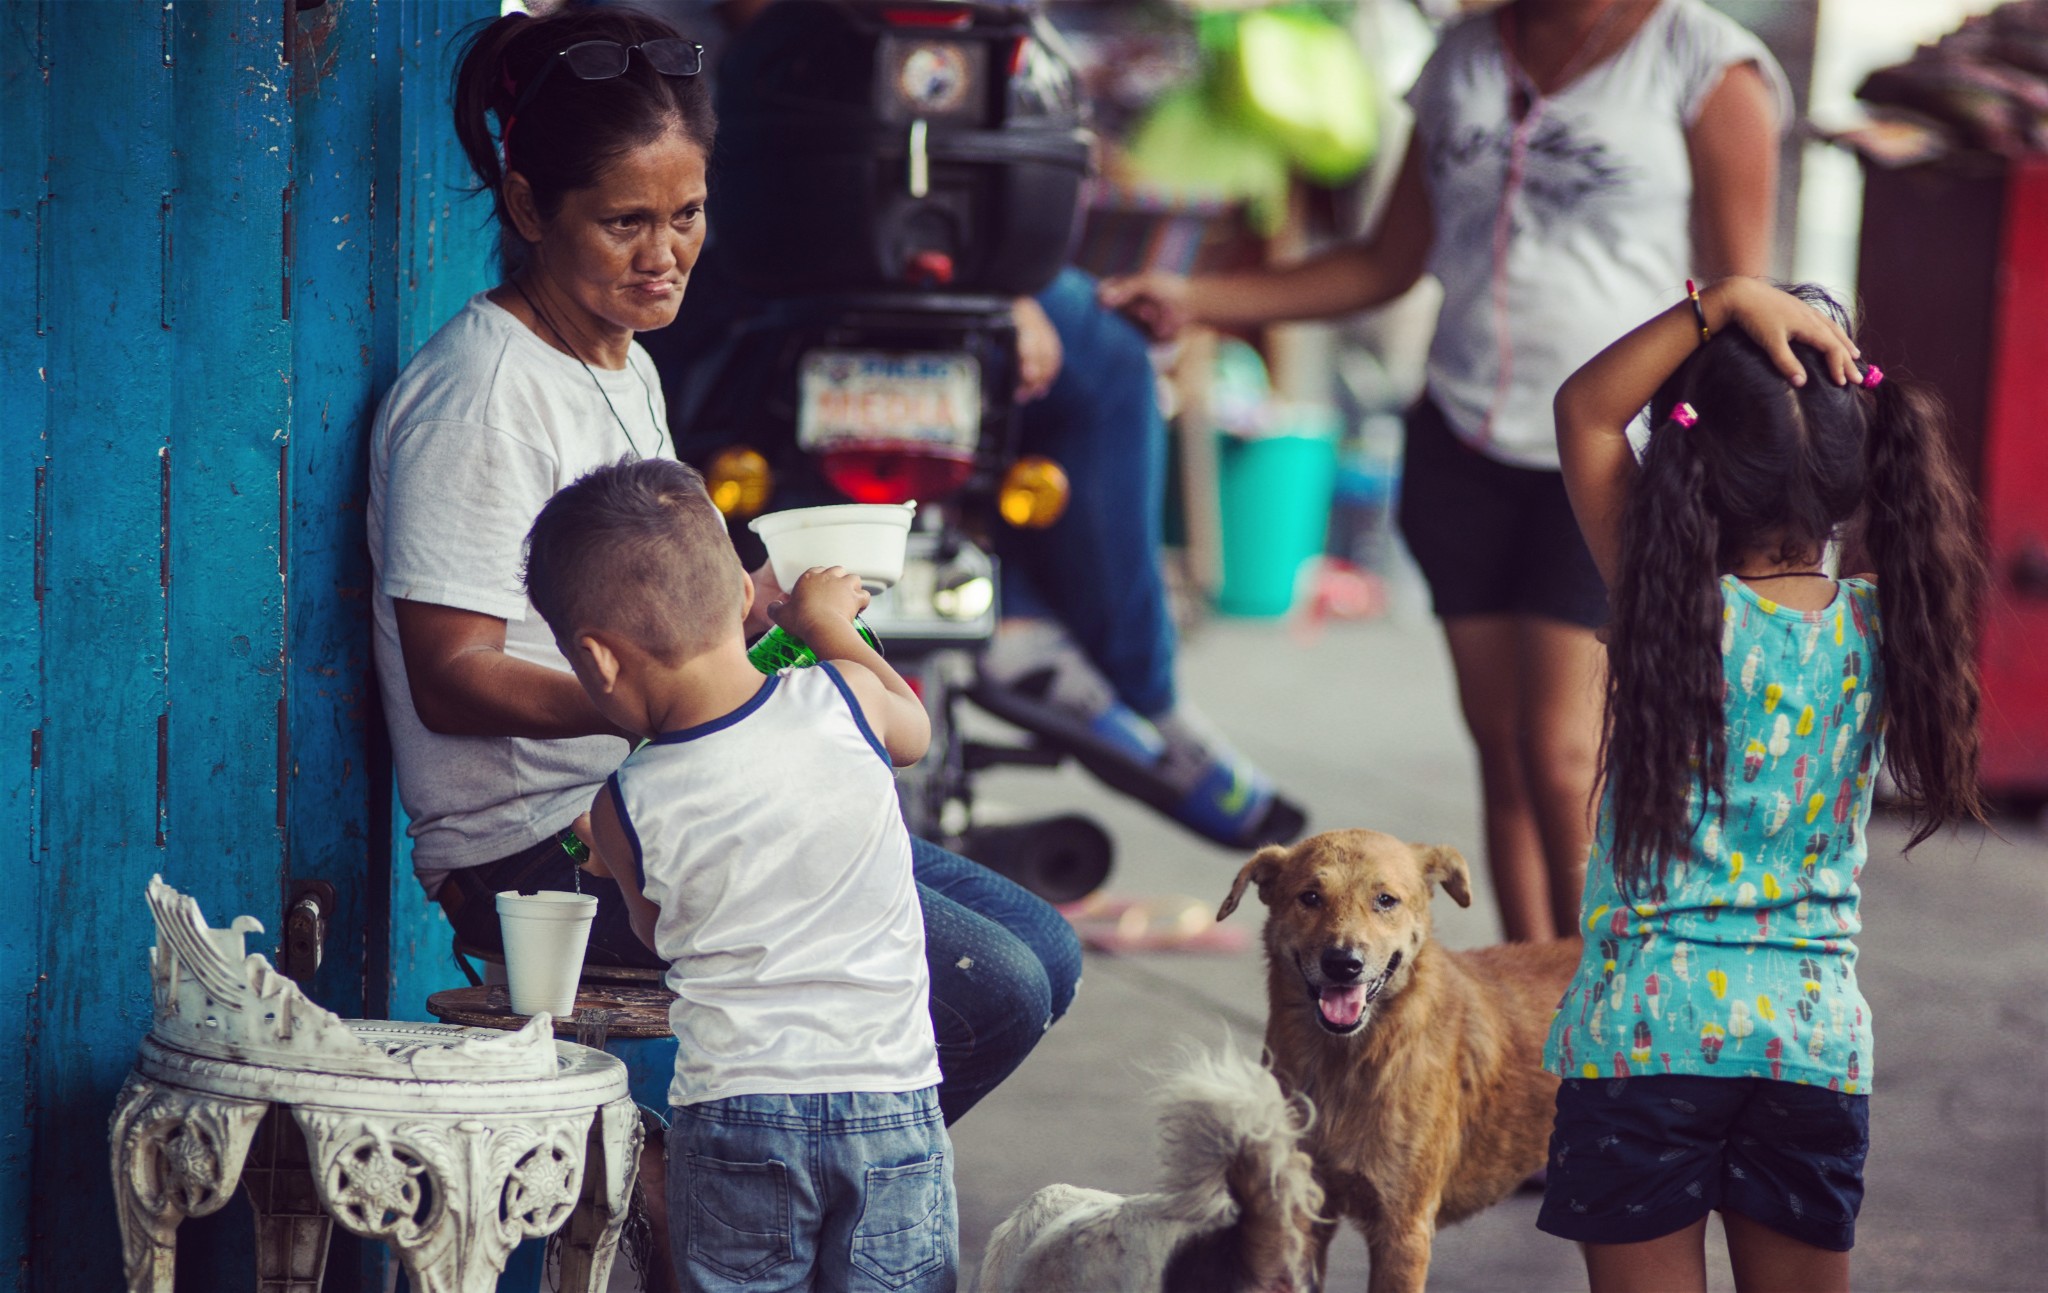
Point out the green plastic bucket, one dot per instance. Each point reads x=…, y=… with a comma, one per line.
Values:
x=1275, y=511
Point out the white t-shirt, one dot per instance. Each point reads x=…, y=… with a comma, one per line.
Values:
x=773, y=843
x=480, y=430
x=1600, y=234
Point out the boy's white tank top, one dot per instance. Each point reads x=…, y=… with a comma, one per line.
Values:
x=774, y=845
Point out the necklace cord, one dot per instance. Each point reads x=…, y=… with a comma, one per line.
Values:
x=603, y=394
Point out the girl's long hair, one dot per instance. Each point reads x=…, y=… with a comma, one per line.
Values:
x=1784, y=470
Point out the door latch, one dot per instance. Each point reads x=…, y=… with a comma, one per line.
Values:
x=305, y=928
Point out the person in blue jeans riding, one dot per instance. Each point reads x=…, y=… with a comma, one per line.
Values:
x=764, y=858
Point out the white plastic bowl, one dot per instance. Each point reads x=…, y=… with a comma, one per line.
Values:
x=866, y=538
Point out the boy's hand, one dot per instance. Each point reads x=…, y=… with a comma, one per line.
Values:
x=820, y=609
x=1775, y=319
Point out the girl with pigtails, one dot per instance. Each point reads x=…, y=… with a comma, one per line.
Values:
x=1715, y=1047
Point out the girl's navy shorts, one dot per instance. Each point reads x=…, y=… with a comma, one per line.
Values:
x=1633, y=1159
x=1492, y=538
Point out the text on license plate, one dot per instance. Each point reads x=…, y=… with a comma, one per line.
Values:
x=869, y=395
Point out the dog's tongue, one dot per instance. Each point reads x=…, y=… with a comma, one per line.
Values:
x=1343, y=1006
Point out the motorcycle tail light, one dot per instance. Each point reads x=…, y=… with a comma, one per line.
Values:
x=739, y=481
x=933, y=16
x=1034, y=493
x=884, y=473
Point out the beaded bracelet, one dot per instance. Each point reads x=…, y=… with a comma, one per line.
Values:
x=1698, y=311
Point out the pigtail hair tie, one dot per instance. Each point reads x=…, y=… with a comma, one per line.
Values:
x=1685, y=415
x=1872, y=377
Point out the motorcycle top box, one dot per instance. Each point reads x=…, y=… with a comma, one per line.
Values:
x=878, y=144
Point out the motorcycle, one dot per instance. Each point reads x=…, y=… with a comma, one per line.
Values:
x=891, y=176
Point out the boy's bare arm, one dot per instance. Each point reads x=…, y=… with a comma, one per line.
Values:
x=613, y=856
x=894, y=712
x=820, y=610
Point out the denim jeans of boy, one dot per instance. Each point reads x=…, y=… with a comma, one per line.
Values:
x=844, y=1193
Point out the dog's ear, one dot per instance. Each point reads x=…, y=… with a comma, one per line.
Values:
x=1265, y=864
x=1445, y=867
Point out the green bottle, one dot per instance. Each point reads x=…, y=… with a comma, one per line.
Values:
x=779, y=649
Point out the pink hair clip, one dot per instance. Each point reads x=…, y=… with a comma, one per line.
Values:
x=1872, y=375
x=1685, y=415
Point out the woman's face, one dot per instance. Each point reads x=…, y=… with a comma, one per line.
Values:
x=618, y=254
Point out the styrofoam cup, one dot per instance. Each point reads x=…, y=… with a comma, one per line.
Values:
x=545, y=934
x=866, y=538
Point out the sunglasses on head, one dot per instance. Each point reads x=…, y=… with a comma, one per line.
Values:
x=601, y=60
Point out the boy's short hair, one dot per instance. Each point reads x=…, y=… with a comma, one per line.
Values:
x=637, y=549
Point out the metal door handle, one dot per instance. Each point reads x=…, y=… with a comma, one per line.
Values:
x=305, y=928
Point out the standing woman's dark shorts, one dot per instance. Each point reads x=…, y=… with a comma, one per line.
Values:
x=1493, y=539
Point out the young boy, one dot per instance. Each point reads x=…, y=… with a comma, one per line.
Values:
x=758, y=839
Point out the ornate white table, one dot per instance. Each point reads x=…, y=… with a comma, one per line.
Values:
x=450, y=1144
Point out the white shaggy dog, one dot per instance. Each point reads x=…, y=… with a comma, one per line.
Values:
x=1233, y=1214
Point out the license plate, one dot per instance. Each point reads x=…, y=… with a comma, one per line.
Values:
x=926, y=399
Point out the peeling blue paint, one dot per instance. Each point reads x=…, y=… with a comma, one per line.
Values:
x=188, y=363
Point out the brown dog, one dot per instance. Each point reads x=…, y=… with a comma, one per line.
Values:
x=1424, y=1064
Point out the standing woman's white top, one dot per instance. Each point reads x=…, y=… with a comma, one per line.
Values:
x=1560, y=220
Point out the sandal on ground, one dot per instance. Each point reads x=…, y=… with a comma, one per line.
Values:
x=1169, y=923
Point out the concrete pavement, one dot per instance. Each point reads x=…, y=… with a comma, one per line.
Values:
x=1360, y=723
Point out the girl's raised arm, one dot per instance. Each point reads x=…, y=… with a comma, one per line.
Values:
x=1596, y=403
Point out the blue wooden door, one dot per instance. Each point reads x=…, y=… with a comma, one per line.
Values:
x=225, y=225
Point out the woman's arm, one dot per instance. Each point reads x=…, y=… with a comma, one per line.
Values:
x=1596, y=403
x=463, y=683
x=1353, y=276
x=1734, y=147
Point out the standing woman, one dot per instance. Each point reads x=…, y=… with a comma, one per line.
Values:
x=1574, y=162
x=596, y=176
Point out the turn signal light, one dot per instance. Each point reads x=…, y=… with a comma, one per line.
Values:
x=740, y=482
x=1034, y=493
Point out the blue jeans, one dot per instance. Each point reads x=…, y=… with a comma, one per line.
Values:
x=1096, y=571
x=1003, y=967
x=847, y=1192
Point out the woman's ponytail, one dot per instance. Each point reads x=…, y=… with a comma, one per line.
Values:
x=481, y=88
x=1921, y=534
x=1664, y=683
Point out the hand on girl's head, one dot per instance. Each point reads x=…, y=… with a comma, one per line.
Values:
x=1775, y=319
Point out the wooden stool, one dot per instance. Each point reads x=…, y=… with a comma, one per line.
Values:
x=449, y=1144
x=493, y=972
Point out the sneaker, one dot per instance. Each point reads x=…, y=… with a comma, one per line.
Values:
x=1223, y=795
x=1036, y=660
